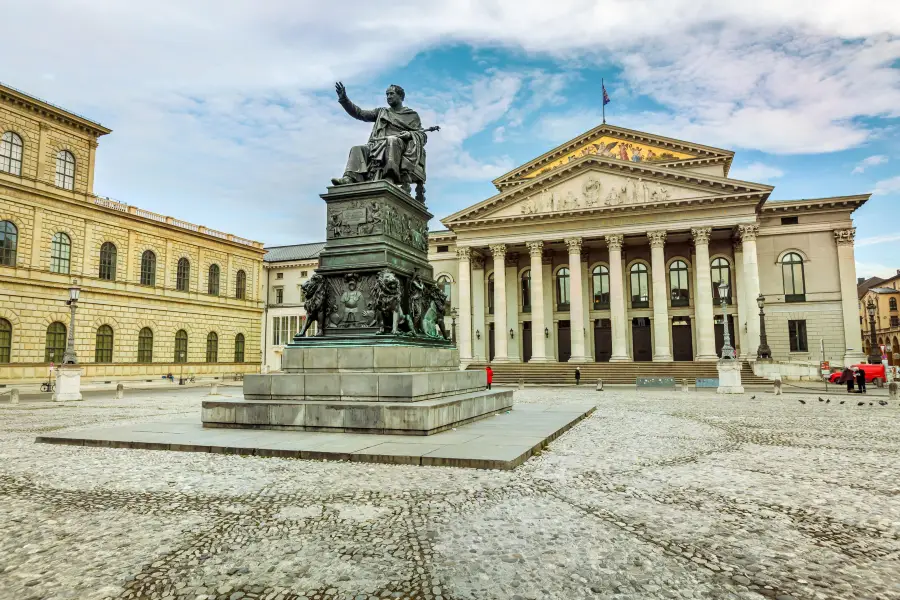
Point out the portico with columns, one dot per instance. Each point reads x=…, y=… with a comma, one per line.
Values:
x=587, y=254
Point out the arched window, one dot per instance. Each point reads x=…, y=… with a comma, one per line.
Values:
x=525, y=283
x=600, y=287
x=9, y=242
x=240, y=284
x=212, y=287
x=108, y=261
x=212, y=347
x=721, y=271
x=892, y=304
x=491, y=294
x=148, y=268
x=794, y=280
x=11, y=153
x=183, y=276
x=145, y=345
x=239, y=348
x=65, y=170
x=60, y=253
x=5, y=341
x=562, y=289
x=678, y=283
x=640, y=286
x=446, y=287
x=56, y=343
x=181, y=346
x=104, y=347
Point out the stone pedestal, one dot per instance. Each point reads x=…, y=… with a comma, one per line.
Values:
x=730, y=377
x=406, y=390
x=68, y=383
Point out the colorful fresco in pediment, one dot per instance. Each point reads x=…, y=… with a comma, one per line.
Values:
x=611, y=147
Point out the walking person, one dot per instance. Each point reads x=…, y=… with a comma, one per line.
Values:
x=490, y=375
x=577, y=376
x=861, y=380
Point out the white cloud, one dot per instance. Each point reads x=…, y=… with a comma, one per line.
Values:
x=887, y=186
x=879, y=239
x=756, y=172
x=864, y=269
x=871, y=161
x=223, y=111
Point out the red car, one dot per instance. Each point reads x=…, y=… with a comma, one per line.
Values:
x=874, y=374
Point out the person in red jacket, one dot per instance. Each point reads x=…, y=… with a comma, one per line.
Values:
x=490, y=375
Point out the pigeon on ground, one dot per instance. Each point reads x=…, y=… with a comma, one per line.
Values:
x=882, y=403
x=860, y=403
x=821, y=399
x=802, y=401
x=842, y=401
x=828, y=401
x=870, y=404
x=753, y=397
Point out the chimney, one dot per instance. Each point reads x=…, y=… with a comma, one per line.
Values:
x=860, y=280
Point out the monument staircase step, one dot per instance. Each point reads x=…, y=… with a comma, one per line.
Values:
x=612, y=373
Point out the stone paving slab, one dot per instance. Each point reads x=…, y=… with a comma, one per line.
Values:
x=504, y=441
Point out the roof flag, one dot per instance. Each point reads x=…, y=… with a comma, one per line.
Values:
x=605, y=100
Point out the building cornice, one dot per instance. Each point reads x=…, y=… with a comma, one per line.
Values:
x=51, y=112
x=807, y=204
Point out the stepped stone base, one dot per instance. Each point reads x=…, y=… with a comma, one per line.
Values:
x=361, y=389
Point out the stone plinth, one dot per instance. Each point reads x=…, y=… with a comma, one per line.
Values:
x=68, y=383
x=730, y=377
x=408, y=390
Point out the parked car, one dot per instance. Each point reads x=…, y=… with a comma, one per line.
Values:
x=874, y=374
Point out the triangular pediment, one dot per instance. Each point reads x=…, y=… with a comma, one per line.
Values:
x=619, y=144
x=594, y=184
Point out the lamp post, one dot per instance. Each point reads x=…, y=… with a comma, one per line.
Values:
x=454, y=312
x=727, y=348
x=70, y=357
x=763, y=352
x=874, y=354
x=181, y=360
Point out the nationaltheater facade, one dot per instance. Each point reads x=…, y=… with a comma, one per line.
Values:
x=158, y=294
x=611, y=247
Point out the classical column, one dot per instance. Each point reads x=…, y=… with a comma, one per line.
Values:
x=512, y=307
x=88, y=250
x=703, y=295
x=38, y=243
x=479, y=306
x=92, y=165
x=853, y=353
x=576, y=301
x=737, y=288
x=538, y=351
x=661, y=352
x=587, y=303
x=550, y=345
x=501, y=351
x=748, y=235
x=617, y=300
x=464, y=303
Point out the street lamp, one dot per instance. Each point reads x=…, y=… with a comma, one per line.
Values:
x=727, y=348
x=181, y=360
x=874, y=354
x=763, y=351
x=454, y=312
x=70, y=357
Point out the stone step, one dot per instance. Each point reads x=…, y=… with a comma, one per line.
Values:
x=613, y=373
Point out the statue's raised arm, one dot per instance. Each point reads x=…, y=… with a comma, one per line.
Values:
x=396, y=147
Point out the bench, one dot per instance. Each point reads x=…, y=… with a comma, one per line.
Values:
x=655, y=382
x=708, y=383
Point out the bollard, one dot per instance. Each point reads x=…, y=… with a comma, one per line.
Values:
x=777, y=384
x=14, y=396
x=684, y=385
x=214, y=389
x=521, y=384
x=599, y=385
x=893, y=390
x=120, y=391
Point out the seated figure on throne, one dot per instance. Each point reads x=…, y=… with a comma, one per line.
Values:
x=396, y=147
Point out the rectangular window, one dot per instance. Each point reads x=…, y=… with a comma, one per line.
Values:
x=303, y=273
x=895, y=321
x=279, y=275
x=790, y=220
x=279, y=295
x=443, y=248
x=797, y=333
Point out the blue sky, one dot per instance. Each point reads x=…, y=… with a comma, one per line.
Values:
x=225, y=115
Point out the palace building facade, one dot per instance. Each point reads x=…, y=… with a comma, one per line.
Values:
x=611, y=247
x=158, y=295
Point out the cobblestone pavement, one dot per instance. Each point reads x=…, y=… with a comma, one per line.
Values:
x=657, y=495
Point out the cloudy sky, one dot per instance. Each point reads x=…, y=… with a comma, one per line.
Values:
x=224, y=113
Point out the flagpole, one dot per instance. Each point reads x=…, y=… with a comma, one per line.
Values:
x=603, y=101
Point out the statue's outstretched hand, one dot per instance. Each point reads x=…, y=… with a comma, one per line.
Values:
x=341, y=90
x=405, y=135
